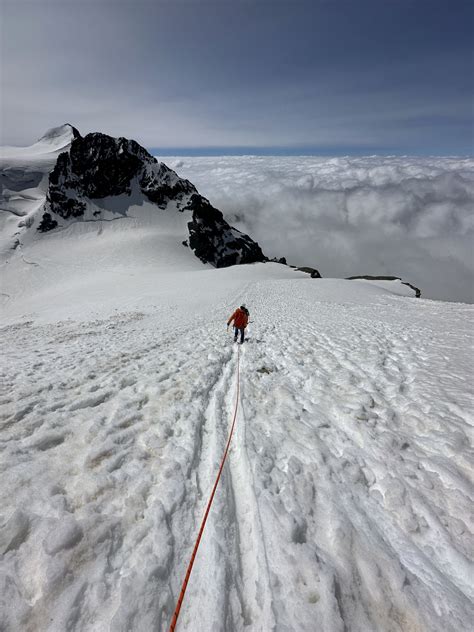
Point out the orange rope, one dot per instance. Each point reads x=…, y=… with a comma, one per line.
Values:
x=179, y=603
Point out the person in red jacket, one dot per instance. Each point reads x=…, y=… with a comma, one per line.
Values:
x=241, y=319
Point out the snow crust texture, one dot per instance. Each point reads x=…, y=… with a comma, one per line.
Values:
x=345, y=503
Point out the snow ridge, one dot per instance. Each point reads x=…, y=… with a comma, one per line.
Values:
x=58, y=138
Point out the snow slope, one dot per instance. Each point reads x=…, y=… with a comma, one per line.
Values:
x=345, y=502
x=46, y=149
x=24, y=180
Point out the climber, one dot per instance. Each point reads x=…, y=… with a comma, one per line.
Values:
x=240, y=318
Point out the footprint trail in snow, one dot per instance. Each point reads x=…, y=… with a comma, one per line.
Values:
x=345, y=500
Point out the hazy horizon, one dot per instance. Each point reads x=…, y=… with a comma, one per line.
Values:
x=268, y=151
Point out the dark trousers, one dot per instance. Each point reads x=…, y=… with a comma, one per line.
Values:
x=242, y=334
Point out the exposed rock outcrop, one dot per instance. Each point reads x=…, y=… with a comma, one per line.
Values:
x=215, y=241
x=47, y=223
x=99, y=166
x=387, y=278
x=312, y=271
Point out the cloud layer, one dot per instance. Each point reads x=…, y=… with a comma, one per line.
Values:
x=408, y=217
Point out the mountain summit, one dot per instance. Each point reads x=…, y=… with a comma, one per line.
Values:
x=98, y=177
x=66, y=185
x=59, y=137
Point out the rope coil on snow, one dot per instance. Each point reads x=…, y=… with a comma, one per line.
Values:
x=179, y=603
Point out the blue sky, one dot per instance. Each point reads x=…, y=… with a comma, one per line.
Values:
x=296, y=77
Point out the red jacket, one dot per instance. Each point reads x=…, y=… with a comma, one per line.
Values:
x=240, y=318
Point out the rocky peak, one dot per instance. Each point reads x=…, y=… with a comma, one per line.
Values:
x=98, y=166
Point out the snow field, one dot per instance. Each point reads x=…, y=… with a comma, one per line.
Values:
x=24, y=172
x=375, y=490
x=345, y=502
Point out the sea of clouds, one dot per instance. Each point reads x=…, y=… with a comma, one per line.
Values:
x=400, y=216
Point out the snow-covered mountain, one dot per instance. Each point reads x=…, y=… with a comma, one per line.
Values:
x=65, y=178
x=24, y=173
x=70, y=186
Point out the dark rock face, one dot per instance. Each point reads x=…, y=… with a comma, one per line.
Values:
x=159, y=187
x=47, y=223
x=415, y=289
x=215, y=241
x=387, y=278
x=312, y=271
x=97, y=166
